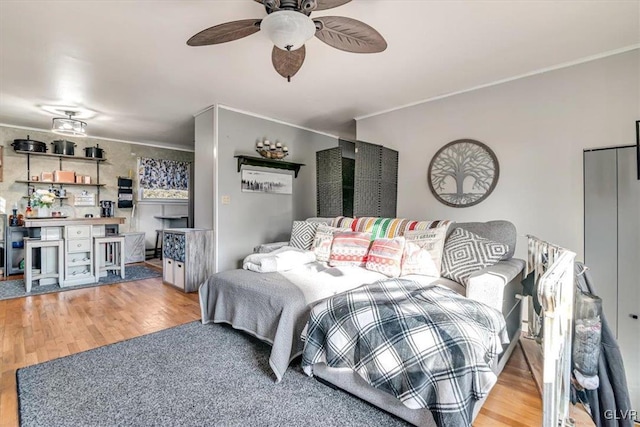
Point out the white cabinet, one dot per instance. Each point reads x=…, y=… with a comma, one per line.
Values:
x=187, y=257
x=78, y=266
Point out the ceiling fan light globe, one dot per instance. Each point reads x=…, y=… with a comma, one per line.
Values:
x=287, y=29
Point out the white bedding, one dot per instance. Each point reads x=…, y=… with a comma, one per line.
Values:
x=282, y=259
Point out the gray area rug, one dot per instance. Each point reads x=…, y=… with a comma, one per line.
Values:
x=15, y=288
x=190, y=375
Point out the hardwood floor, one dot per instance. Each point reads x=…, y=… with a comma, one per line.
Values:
x=40, y=328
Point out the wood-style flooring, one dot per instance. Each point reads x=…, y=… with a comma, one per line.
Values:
x=43, y=327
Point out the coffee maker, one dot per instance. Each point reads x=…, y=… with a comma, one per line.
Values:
x=107, y=208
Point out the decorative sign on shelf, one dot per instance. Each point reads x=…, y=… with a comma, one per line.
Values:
x=84, y=199
x=463, y=173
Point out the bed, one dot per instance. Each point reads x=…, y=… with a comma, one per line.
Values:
x=275, y=307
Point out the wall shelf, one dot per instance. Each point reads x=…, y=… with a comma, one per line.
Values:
x=58, y=183
x=268, y=163
x=61, y=156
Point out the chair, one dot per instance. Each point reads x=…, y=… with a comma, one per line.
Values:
x=108, y=254
x=157, y=250
x=29, y=245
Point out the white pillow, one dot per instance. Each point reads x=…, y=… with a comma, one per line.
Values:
x=423, y=251
x=321, y=245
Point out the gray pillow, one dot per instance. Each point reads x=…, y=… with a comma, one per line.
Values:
x=302, y=234
x=500, y=231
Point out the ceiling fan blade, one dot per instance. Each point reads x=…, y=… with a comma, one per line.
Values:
x=349, y=35
x=226, y=32
x=287, y=63
x=330, y=4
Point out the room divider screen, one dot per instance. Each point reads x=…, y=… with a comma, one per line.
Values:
x=357, y=179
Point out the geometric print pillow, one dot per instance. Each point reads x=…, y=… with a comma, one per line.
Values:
x=466, y=253
x=302, y=234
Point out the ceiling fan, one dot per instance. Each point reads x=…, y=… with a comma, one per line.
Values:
x=289, y=26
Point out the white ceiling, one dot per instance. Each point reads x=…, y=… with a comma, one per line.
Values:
x=128, y=60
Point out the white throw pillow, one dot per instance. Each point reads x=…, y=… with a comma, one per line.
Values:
x=423, y=252
x=321, y=245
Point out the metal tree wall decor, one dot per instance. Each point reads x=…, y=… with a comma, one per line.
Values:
x=463, y=173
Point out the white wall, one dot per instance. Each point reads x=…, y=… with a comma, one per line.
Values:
x=249, y=219
x=204, y=162
x=537, y=126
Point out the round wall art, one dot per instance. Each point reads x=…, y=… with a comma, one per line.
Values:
x=463, y=173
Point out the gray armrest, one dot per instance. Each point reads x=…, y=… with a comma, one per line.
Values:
x=269, y=247
x=487, y=285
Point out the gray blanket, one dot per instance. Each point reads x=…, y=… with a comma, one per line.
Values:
x=275, y=306
x=265, y=305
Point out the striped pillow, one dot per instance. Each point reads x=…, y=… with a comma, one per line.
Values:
x=350, y=249
x=343, y=222
x=426, y=225
x=392, y=227
x=385, y=256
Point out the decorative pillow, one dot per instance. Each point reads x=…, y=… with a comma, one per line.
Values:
x=425, y=225
x=321, y=245
x=466, y=253
x=302, y=234
x=343, y=222
x=423, y=252
x=350, y=248
x=390, y=227
x=385, y=256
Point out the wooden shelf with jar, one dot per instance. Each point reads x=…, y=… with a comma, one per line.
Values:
x=61, y=157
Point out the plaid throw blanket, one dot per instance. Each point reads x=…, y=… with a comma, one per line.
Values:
x=427, y=346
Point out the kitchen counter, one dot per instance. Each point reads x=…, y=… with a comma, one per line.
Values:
x=60, y=222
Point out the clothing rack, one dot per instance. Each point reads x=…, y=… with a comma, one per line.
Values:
x=553, y=267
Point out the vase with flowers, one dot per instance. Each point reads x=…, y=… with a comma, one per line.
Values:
x=43, y=200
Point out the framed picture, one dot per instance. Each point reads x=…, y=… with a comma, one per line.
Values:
x=166, y=180
x=463, y=173
x=266, y=182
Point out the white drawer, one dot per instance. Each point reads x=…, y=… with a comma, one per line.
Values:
x=83, y=245
x=79, y=258
x=78, y=231
x=78, y=272
x=167, y=270
x=178, y=275
x=51, y=233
